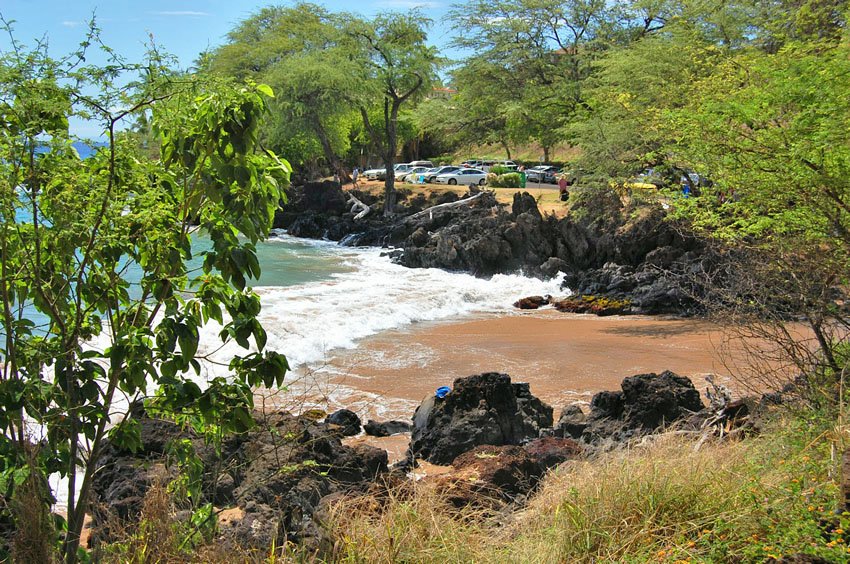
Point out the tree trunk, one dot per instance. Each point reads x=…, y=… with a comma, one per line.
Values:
x=391, y=121
x=545, y=154
x=506, y=148
x=333, y=161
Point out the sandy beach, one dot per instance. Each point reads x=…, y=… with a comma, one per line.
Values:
x=565, y=357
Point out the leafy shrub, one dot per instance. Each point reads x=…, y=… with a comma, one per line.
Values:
x=509, y=180
x=499, y=170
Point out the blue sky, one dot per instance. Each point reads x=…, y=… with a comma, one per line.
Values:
x=181, y=27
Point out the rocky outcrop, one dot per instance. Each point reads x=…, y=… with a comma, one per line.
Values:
x=603, y=248
x=485, y=409
x=647, y=403
x=596, y=305
x=275, y=474
x=346, y=421
x=285, y=467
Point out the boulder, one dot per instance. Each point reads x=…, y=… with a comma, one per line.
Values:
x=508, y=470
x=346, y=421
x=532, y=302
x=571, y=423
x=485, y=409
x=386, y=428
x=549, y=452
x=647, y=402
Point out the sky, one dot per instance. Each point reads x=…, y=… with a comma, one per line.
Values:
x=183, y=28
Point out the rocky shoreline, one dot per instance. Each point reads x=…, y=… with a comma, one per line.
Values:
x=276, y=481
x=629, y=254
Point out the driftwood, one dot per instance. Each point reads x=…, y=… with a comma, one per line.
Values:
x=357, y=206
x=457, y=204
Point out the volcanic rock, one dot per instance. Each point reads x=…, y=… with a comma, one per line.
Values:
x=485, y=409
x=507, y=469
x=386, y=428
x=549, y=452
x=531, y=302
x=571, y=423
x=646, y=403
x=346, y=420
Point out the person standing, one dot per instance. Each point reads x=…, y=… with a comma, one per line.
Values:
x=354, y=175
x=562, y=187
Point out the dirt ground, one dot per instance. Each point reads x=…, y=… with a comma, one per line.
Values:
x=545, y=194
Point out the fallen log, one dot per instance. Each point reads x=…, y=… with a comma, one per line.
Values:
x=357, y=206
x=456, y=204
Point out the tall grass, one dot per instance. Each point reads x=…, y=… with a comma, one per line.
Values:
x=746, y=501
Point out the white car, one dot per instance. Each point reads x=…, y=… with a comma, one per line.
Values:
x=463, y=176
x=413, y=174
x=381, y=173
x=373, y=173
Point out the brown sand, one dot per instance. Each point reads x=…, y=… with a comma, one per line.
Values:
x=565, y=357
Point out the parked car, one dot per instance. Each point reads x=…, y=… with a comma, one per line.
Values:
x=412, y=174
x=381, y=173
x=426, y=164
x=543, y=173
x=372, y=173
x=434, y=172
x=462, y=176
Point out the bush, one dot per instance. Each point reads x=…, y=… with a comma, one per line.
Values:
x=509, y=180
x=499, y=170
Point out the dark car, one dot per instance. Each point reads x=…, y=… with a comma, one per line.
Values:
x=542, y=173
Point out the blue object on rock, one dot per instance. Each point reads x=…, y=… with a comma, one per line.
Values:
x=443, y=391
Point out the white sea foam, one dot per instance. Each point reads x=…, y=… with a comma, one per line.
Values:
x=307, y=321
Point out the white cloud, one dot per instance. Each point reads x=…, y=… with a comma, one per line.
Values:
x=407, y=4
x=179, y=13
x=71, y=23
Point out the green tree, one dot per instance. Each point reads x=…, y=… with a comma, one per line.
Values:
x=535, y=57
x=302, y=52
x=73, y=229
x=397, y=62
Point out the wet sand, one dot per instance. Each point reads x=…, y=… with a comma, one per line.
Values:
x=565, y=357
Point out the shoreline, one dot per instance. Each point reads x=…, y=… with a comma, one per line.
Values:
x=566, y=358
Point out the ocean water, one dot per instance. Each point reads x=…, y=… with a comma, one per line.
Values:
x=318, y=296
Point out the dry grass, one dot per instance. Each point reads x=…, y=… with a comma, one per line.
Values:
x=632, y=503
x=34, y=538
x=413, y=523
x=667, y=502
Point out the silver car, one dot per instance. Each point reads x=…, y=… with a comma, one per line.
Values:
x=463, y=176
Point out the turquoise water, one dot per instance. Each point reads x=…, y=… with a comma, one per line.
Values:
x=284, y=261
